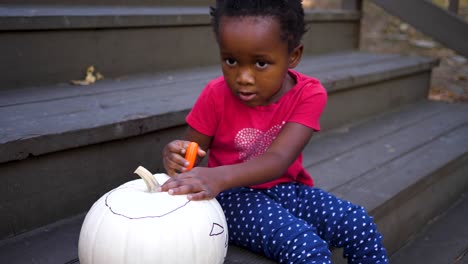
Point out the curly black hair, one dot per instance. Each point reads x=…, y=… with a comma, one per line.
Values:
x=289, y=13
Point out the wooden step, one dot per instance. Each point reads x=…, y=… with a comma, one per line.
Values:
x=441, y=241
x=66, y=115
x=112, y=2
x=125, y=40
x=405, y=166
x=62, y=147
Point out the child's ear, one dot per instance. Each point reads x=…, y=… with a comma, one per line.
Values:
x=295, y=56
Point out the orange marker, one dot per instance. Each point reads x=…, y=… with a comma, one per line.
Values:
x=191, y=154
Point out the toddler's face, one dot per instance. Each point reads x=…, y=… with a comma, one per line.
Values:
x=254, y=59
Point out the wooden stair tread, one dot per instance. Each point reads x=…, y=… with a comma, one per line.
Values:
x=34, y=117
x=45, y=17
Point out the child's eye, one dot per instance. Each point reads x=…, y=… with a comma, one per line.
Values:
x=261, y=64
x=230, y=62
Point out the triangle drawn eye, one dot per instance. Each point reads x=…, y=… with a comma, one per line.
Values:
x=216, y=229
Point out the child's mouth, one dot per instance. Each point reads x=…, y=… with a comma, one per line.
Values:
x=246, y=96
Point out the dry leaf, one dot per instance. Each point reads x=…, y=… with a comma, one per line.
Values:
x=99, y=76
x=445, y=95
x=308, y=3
x=90, y=77
x=422, y=43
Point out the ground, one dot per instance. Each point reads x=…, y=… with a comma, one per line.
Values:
x=383, y=33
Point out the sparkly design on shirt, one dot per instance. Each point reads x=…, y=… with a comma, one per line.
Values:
x=252, y=142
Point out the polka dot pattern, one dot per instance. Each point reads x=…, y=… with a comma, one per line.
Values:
x=294, y=223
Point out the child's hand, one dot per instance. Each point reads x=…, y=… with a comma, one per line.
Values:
x=173, y=156
x=200, y=183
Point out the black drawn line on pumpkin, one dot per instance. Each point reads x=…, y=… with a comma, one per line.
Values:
x=141, y=217
x=220, y=227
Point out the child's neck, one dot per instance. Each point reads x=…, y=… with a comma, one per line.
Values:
x=287, y=85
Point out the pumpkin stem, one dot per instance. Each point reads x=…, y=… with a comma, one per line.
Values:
x=148, y=178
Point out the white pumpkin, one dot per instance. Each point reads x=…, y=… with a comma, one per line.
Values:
x=135, y=224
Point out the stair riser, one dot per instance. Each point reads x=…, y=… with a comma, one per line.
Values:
x=41, y=190
x=364, y=101
x=61, y=56
x=58, y=56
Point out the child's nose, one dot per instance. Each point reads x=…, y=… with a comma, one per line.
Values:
x=245, y=77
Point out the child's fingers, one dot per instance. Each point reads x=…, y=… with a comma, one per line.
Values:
x=203, y=195
x=193, y=191
x=201, y=152
x=176, y=146
x=173, y=157
x=174, y=162
x=191, y=183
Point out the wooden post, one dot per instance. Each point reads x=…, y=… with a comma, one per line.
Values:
x=444, y=27
x=351, y=4
x=453, y=6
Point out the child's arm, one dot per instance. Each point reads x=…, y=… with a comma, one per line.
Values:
x=205, y=183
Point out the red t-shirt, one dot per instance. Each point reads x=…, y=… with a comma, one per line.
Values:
x=240, y=133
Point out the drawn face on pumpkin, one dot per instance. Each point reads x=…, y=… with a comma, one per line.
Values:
x=152, y=227
x=150, y=204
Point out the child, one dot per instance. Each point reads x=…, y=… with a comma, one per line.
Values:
x=255, y=120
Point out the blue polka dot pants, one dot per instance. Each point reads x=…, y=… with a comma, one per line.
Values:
x=294, y=223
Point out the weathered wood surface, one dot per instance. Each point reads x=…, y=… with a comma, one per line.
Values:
x=35, y=121
x=111, y=2
x=37, y=17
x=122, y=40
x=405, y=171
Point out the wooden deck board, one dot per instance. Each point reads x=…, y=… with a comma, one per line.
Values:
x=41, y=120
x=355, y=153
